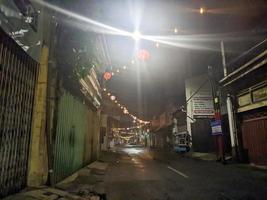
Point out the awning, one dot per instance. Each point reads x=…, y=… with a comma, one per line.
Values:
x=257, y=62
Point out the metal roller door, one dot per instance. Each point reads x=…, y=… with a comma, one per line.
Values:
x=254, y=133
x=72, y=127
x=17, y=88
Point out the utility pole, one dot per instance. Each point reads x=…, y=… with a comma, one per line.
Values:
x=216, y=124
x=229, y=104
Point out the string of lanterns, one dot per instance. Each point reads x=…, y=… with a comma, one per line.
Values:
x=125, y=137
x=128, y=128
x=109, y=74
x=142, y=55
x=124, y=109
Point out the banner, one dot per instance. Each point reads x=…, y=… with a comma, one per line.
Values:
x=203, y=105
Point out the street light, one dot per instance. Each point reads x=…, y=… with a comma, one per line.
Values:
x=136, y=35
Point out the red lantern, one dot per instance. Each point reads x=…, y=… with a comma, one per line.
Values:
x=143, y=54
x=107, y=76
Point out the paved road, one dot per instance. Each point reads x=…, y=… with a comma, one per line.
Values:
x=133, y=174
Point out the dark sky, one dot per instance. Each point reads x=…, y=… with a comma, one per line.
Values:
x=146, y=88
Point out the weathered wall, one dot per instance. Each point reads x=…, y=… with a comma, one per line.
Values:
x=38, y=162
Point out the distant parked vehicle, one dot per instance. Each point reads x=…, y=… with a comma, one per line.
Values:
x=182, y=142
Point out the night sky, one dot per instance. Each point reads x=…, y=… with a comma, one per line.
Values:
x=147, y=87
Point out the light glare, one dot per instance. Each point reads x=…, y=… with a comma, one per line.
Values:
x=201, y=10
x=136, y=35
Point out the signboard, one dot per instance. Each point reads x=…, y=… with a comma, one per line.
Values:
x=29, y=12
x=20, y=19
x=216, y=127
x=244, y=99
x=203, y=105
x=260, y=94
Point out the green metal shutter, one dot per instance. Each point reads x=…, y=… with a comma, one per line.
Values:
x=72, y=128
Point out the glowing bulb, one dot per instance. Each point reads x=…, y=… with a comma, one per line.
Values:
x=175, y=30
x=112, y=73
x=136, y=35
x=118, y=71
x=112, y=97
x=124, y=67
x=116, y=101
x=157, y=45
x=108, y=94
x=132, y=61
x=201, y=10
x=104, y=89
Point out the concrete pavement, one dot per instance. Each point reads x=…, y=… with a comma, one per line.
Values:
x=85, y=184
x=134, y=173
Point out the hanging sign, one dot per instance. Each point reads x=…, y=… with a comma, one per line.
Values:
x=216, y=127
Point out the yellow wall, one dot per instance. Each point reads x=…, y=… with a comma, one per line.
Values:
x=38, y=162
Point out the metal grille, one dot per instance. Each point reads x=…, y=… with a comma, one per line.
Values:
x=17, y=84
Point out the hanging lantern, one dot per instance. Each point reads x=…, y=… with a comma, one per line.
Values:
x=143, y=54
x=107, y=76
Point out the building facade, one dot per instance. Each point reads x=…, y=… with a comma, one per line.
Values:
x=247, y=88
